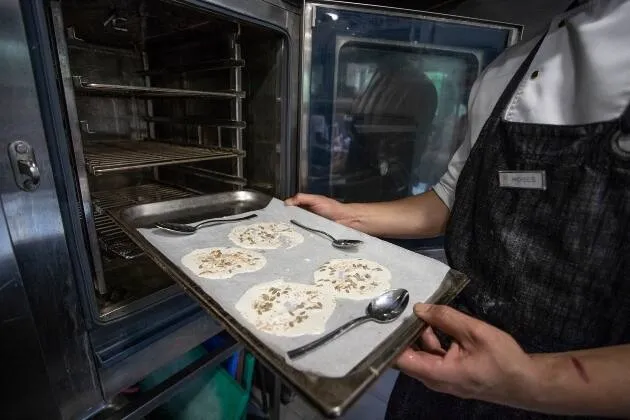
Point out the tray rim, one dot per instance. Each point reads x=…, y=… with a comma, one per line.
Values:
x=332, y=396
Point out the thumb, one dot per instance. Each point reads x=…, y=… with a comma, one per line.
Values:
x=454, y=323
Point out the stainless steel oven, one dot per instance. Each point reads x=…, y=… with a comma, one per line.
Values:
x=109, y=103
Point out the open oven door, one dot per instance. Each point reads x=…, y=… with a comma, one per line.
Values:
x=384, y=98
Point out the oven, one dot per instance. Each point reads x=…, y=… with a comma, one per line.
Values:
x=110, y=103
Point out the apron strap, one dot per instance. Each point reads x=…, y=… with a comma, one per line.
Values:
x=573, y=5
x=512, y=86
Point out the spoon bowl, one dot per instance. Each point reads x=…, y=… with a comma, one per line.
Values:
x=382, y=309
x=184, y=229
x=337, y=243
x=388, y=306
x=346, y=243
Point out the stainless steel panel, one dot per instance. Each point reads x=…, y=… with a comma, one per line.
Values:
x=29, y=395
x=34, y=220
x=332, y=396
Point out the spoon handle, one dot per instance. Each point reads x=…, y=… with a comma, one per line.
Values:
x=237, y=219
x=328, y=337
x=313, y=230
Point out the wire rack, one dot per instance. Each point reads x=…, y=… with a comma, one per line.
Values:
x=111, y=237
x=109, y=157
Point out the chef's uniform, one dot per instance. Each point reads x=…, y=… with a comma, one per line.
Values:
x=540, y=199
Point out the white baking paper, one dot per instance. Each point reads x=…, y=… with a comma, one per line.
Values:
x=420, y=275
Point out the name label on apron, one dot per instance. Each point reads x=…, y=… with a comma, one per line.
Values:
x=529, y=180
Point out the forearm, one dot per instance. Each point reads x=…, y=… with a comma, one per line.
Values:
x=587, y=382
x=421, y=216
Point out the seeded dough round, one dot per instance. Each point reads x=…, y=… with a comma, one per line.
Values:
x=353, y=278
x=286, y=309
x=223, y=263
x=266, y=235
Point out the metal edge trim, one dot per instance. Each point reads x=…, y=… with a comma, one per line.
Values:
x=411, y=13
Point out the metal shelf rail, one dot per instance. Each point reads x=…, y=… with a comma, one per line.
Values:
x=209, y=65
x=82, y=86
x=199, y=120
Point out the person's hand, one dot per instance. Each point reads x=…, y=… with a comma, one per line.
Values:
x=323, y=206
x=482, y=363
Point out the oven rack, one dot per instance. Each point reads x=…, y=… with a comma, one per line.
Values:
x=120, y=156
x=110, y=236
x=113, y=240
x=81, y=85
x=198, y=120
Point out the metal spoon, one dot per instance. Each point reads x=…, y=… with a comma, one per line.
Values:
x=382, y=309
x=189, y=230
x=337, y=243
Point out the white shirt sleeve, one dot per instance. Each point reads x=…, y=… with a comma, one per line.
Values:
x=445, y=188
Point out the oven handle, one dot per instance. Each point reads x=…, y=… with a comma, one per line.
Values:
x=25, y=169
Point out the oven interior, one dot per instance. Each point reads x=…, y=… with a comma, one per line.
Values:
x=164, y=100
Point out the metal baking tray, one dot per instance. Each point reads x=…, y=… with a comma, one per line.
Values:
x=332, y=396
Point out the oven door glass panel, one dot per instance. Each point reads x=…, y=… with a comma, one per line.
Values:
x=385, y=96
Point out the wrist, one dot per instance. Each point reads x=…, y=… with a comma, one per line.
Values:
x=353, y=216
x=523, y=387
x=538, y=382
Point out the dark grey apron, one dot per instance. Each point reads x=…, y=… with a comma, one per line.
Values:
x=550, y=267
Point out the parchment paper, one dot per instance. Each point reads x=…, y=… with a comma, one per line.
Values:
x=420, y=275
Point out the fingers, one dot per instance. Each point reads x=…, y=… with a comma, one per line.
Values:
x=454, y=323
x=301, y=199
x=430, y=342
x=421, y=365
